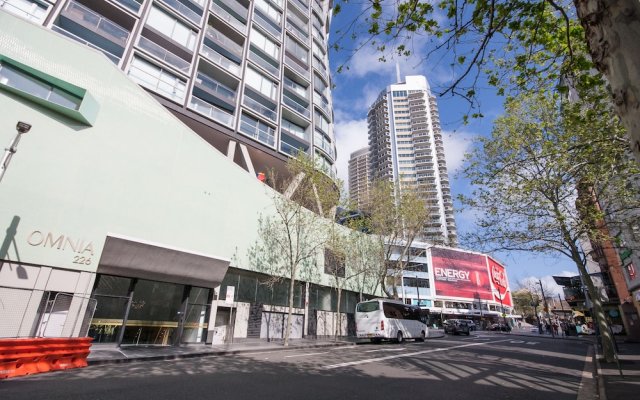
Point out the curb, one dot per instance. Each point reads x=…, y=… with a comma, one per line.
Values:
x=211, y=353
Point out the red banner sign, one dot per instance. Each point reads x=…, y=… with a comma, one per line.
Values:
x=460, y=274
x=499, y=282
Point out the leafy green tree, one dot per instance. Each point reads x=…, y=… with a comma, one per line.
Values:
x=529, y=180
x=396, y=216
x=522, y=44
x=294, y=233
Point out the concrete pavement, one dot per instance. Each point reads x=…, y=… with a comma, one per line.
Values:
x=110, y=353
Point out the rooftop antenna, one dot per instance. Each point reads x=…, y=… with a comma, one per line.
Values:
x=397, y=72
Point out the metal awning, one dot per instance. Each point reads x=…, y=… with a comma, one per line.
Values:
x=135, y=258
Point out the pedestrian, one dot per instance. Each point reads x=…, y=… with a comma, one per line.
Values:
x=555, y=328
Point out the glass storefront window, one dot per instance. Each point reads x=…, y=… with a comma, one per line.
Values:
x=153, y=317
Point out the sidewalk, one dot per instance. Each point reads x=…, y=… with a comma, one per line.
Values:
x=109, y=353
x=615, y=380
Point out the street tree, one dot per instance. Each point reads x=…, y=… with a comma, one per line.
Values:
x=293, y=234
x=350, y=258
x=527, y=179
x=396, y=215
x=524, y=43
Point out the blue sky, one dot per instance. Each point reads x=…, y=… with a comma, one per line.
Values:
x=357, y=87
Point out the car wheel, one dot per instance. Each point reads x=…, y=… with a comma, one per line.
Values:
x=399, y=337
x=376, y=340
x=422, y=337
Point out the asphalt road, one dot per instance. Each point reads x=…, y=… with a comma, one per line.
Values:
x=481, y=366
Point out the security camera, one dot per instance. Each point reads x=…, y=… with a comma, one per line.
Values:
x=23, y=127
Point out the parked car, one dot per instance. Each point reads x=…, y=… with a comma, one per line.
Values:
x=500, y=327
x=457, y=326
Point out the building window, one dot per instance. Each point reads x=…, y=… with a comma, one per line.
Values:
x=257, y=130
x=264, y=44
x=415, y=282
x=262, y=84
x=171, y=27
x=13, y=77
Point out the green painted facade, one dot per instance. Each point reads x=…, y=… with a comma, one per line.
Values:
x=135, y=171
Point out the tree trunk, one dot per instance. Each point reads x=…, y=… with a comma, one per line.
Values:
x=291, y=295
x=339, y=324
x=612, y=29
x=598, y=312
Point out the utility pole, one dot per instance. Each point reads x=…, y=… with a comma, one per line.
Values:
x=562, y=307
x=546, y=307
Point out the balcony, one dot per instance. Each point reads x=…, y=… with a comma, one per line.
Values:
x=286, y=128
x=209, y=110
x=159, y=81
x=232, y=7
x=114, y=58
x=164, y=55
x=264, y=62
x=257, y=130
x=296, y=106
x=229, y=18
x=295, y=88
x=34, y=12
x=218, y=38
x=256, y=106
x=295, y=65
x=298, y=32
x=132, y=5
x=93, y=27
x=220, y=60
x=268, y=24
x=301, y=5
x=318, y=65
x=291, y=150
x=206, y=86
x=185, y=10
x=317, y=8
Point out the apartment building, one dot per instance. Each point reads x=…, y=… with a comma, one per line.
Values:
x=250, y=77
x=405, y=143
x=359, y=177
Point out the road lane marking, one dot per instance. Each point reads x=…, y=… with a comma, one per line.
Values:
x=391, y=349
x=371, y=360
x=305, y=355
x=532, y=343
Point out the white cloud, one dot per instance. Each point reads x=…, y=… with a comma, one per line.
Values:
x=351, y=135
x=456, y=144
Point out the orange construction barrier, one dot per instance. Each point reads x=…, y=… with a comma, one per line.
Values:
x=27, y=356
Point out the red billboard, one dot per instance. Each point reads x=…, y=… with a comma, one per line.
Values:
x=461, y=274
x=499, y=282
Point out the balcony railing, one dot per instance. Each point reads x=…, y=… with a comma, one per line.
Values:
x=220, y=60
x=291, y=150
x=114, y=58
x=185, y=11
x=219, y=38
x=264, y=63
x=226, y=16
x=27, y=11
x=233, y=5
x=295, y=88
x=164, y=54
x=132, y=5
x=324, y=105
x=216, y=88
x=299, y=33
x=302, y=5
x=264, y=135
x=211, y=111
x=271, y=26
x=259, y=108
x=288, y=60
x=294, y=133
x=96, y=22
x=295, y=106
x=173, y=89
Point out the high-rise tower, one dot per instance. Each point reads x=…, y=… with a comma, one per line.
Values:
x=250, y=77
x=359, y=177
x=405, y=143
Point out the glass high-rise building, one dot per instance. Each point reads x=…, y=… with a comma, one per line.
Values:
x=405, y=144
x=359, y=177
x=250, y=77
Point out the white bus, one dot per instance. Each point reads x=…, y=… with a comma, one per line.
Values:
x=380, y=319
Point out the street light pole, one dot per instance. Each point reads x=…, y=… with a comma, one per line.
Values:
x=22, y=128
x=546, y=308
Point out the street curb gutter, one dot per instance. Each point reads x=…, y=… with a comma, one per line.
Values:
x=210, y=354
